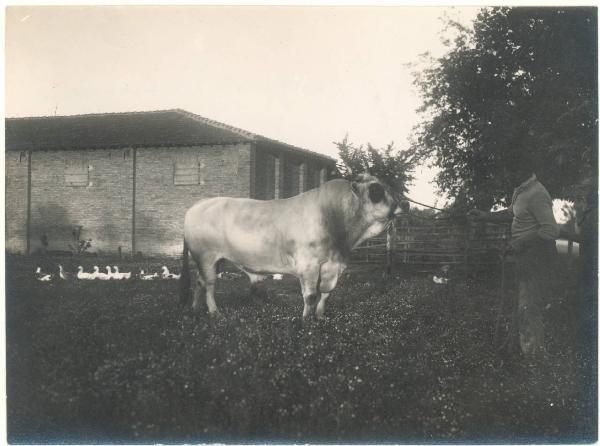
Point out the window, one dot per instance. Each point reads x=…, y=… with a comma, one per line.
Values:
x=269, y=177
x=291, y=178
x=313, y=176
x=265, y=176
x=322, y=175
x=187, y=172
x=77, y=171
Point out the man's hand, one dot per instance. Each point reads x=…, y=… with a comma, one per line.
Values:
x=514, y=247
x=507, y=250
x=511, y=248
x=477, y=215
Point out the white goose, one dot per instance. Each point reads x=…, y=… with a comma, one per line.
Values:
x=42, y=277
x=81, y=275
x=109, y=272
x=145, y=276
x=120, y=276
x=440, y=280
x=63, y=274
x=100, y=276
x=114, y=273
x=168, y=275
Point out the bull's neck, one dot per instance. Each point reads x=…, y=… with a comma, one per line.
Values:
x=363, y=230
x=368, y=229
x=348, y=227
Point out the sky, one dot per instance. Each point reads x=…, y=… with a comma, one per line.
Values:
x=304, y=75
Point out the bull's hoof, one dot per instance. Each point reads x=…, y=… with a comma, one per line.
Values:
x=308, y=319
x=195, y=311
x=216, y=315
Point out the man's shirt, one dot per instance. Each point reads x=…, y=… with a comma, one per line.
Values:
x=532, y=211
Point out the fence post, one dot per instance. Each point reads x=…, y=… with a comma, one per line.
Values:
x=406, y=244
x=467, y=245
x=390, y=241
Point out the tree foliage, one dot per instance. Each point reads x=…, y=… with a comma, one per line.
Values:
x=523, y=80
x=393, y=167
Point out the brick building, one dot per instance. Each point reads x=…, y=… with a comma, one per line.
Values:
x=128, y=178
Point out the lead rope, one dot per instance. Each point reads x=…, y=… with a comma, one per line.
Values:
x=426, y=205
x=451, y=215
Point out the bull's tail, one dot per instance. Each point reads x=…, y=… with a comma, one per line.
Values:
x=185, y=291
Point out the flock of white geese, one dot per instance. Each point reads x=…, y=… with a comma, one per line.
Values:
x=112, y=273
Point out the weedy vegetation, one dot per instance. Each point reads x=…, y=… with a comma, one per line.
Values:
x=396, y=361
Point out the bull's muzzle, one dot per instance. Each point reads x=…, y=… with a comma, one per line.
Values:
x=403, y=206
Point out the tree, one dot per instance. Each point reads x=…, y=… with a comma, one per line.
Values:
x=79, y=245
x=393, y=167
x=522, y=80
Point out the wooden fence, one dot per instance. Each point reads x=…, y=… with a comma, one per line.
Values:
x=429, y=243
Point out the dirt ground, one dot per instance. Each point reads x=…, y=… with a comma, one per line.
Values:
x=399, y=360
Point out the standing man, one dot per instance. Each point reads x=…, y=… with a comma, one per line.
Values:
x=533, y=234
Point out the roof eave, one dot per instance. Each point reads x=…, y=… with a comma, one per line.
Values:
x=295, y=148
x=12, y=148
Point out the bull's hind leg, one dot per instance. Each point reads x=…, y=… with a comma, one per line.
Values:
x=206, y=282
x=198, y=293
x=210, y=274
x=198, y=287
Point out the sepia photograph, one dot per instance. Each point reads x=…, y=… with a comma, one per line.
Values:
x=302, y=224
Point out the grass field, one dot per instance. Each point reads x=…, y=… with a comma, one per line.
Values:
x=396, y=361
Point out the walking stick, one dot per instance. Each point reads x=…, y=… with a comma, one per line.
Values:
x=513, y=328
x=502, y=297
x=507, y=299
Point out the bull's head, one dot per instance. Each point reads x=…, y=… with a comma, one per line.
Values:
x=378, y=200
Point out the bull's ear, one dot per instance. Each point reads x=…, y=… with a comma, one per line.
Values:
x=376, y=192
x=354, y=187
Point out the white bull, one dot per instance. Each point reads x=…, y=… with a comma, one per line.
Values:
x=309, y=236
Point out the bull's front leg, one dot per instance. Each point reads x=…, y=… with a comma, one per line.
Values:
x=330, y=273
x=310, y=302
x=320, y=311
x=309, y=280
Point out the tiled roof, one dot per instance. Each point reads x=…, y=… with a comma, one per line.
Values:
x=134, y=129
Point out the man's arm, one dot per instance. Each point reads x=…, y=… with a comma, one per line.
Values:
x=543, y=213
x=503, y=216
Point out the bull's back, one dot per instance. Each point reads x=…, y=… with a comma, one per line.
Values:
x=249, y=215
x=259, y=235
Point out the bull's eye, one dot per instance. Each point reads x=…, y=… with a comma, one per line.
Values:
x=376, y=192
